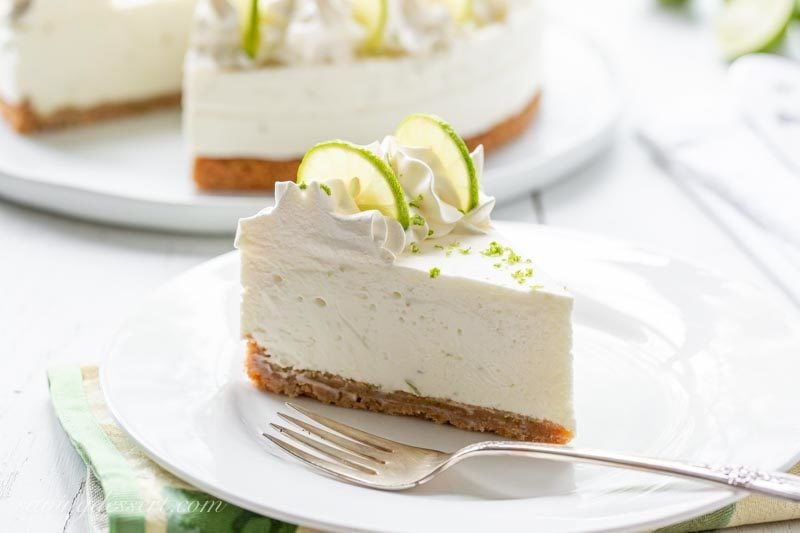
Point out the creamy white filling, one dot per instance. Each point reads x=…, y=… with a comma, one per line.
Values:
x=278, y=112
x=79, y=53
x=324, y=288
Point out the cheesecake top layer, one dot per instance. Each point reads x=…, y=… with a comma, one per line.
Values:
x=440, y=240
x=327, y=31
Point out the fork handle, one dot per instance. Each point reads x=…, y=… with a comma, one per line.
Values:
x=777, y=484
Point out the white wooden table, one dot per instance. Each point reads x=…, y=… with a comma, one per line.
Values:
x=68, y=285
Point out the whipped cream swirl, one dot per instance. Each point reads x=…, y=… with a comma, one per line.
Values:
x=216, y=32
x=325, y=31
x=427, y=190
x=416, y=27
x=309, y=31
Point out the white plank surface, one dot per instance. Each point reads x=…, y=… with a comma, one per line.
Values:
x=68, y=286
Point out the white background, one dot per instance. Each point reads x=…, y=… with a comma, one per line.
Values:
x=68, y=285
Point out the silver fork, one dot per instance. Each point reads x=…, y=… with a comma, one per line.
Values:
x=358, y=457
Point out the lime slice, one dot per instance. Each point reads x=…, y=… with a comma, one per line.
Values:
x=379, y=188
x=429, y=131
x=372, y=15
x=748, y=26
x=250, y=25
x=460, y=9
x=253, y=16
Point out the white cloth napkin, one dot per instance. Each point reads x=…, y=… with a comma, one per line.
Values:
x=743, y=168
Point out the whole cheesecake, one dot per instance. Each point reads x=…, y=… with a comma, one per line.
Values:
x=65, y=62
x=389, y=290
x=314, y=70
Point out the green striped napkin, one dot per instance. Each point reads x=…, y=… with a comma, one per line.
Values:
x=128, y=493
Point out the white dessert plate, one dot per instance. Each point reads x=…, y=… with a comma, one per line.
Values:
x=670, y=360
x=136, y=171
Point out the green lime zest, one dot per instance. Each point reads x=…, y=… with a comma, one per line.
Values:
x=434, y=272
x=522, y=275
x=413, y=387
x=495, y=249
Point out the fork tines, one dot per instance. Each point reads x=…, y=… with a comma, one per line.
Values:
x=343, y=451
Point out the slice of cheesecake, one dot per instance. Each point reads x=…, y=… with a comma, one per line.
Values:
x=65, y=62
x=429, y=312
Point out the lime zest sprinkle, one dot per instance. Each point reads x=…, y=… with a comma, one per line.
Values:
x=325, y=188
x=465, y=251
x=430, y=233
x=522, y=275
x=438, y=246
x=434, y=272
x=416, y=201
x=417, y=220
x=413, y=387
x=414, y=248
x=303, y=186
x=495, y=249
x=506, y=253
x=454, y=244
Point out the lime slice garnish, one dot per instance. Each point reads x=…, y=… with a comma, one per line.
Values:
x=372, y=15
x=429, y=131
x=378, y=186
x=748, y=26
x=461, y=10
x=253, y=15
x=251, y=28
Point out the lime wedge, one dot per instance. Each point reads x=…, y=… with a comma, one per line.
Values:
x=429, y=131
x=748, y=26
x=250, y=25
x=371, y=14
x=378, y=186
x=461, y=10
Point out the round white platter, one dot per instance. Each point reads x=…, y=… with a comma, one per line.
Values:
x=670, y=360
x=136, y=171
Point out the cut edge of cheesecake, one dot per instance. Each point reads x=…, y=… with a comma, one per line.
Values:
x=211, y=173
x=24, y=119
x=343, y=392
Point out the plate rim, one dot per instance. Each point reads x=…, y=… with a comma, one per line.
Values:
x=720, y=497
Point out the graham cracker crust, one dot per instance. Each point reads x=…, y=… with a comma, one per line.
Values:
x=261, y=174
x=24, y=119
x=336, y=390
